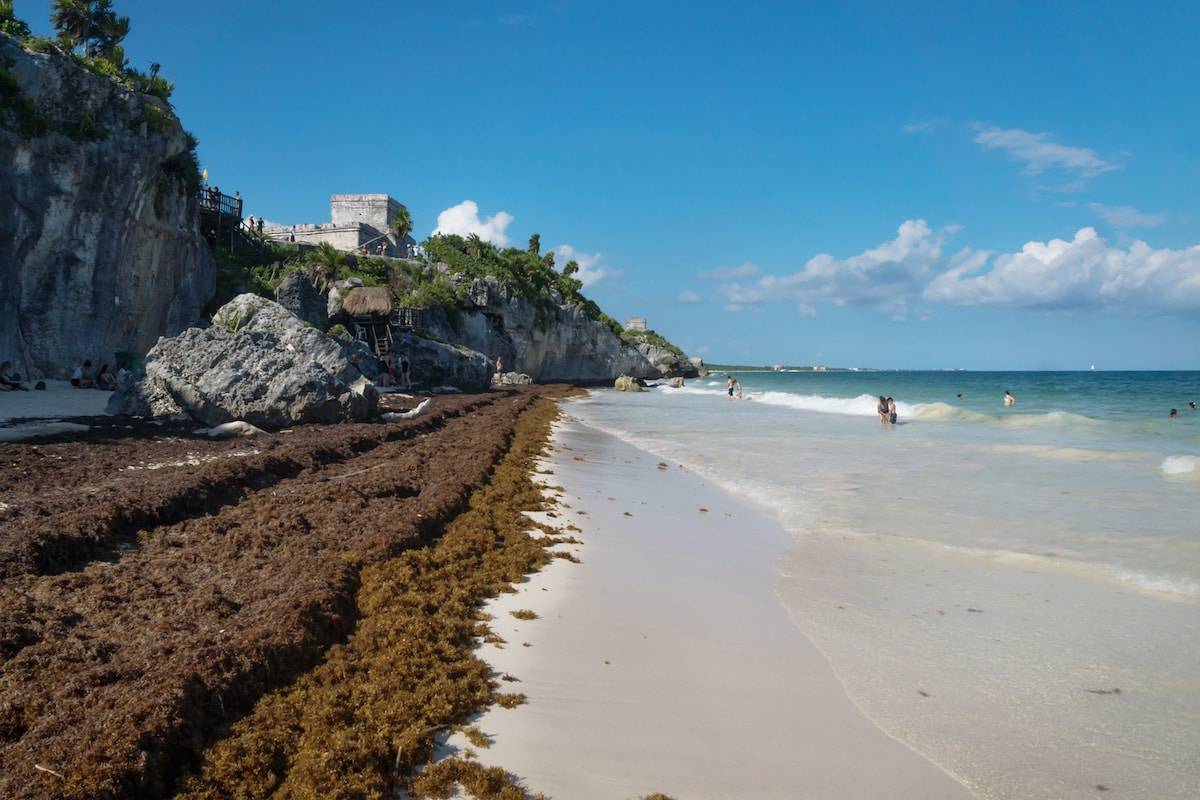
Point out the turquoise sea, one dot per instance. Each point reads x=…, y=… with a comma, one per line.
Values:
x=1018, y=562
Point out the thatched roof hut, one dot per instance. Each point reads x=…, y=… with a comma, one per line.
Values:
x=368, y=301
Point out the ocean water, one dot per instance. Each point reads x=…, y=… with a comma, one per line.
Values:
x=1014, y=592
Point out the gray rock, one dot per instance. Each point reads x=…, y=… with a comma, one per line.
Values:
x=511, y=379
x=297, y=294
x=99, y=243
x=256, y=363
x=565, y=345
x=675, y=383
x=668, y=363
x=438, y=364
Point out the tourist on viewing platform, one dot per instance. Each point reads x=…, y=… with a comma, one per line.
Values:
x=8, y=380
x=260, y=226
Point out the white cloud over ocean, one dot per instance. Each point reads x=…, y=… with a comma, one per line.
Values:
x=1127, y=216
x=1086, y=272
x=464, y=220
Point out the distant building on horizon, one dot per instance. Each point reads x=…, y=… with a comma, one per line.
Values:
x=358, y=221
x=635, y=324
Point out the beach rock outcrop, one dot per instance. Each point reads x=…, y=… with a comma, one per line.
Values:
x=675, y=383
x=299, y=296
x=100, y=249
x=669, y=363
x=627, y=383
x=256, y=363
x=555, y=341
x=511, y=379
x=437, y=364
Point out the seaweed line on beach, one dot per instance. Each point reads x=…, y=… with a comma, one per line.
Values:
x=364, y=721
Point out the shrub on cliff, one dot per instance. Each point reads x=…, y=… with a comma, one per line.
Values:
x=9, y=23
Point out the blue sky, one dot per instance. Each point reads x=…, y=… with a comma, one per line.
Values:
x=850, y=184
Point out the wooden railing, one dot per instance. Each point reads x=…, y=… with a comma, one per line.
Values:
x=408, y=318
x=213, y=201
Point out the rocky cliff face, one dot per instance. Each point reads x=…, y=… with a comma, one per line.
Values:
x=99, y=247
x=563, y=345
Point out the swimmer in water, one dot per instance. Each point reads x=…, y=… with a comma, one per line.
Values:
x=1191, y=405
x=1009, y=400
x=1173, y=414
x=959, y=395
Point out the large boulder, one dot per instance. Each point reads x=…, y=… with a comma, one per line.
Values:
x=669, y=363
x=255, y=363
x=435, y=363
x=511, y=379
x=626, y=383
x=100, y=248
x=297, y=294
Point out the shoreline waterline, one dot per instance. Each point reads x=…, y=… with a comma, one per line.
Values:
x=1075, y=668
x=665, y=660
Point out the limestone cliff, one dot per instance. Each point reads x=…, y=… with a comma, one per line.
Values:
x=99, y=246
x=555, y=343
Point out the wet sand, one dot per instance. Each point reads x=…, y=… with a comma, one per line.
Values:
x=664, y=662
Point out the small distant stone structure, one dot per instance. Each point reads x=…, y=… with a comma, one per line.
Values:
x=635, y=324
x=359, y=221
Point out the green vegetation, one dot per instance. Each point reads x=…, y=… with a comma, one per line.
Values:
x=634, y=338
x=9, y=23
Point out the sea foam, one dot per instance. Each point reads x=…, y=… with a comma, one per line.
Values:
x=1181, y=465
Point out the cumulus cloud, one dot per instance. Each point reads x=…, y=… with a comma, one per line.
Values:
x=689, y=297
x=591, y=271
x=1127, y=216
x=915, y=267
x=743, y=270
x=1086, y=272
x=886, y=276
x=1040, y=153
x=463, y=219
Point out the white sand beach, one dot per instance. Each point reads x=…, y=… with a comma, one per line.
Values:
x=664, y=662
x=45, y=410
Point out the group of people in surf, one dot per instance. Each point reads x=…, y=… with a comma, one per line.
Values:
x=887, y=410
x=733, y=388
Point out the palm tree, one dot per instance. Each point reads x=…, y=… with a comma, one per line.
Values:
x=323, y=264
x=474, y=245
x=571, y=268
x=90, y=24
x=535, y=243
x=402, y=225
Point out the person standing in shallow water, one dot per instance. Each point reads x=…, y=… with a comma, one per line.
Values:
x=1009, y=400
x=882, y=409
x=729, y=386
x=891, y=406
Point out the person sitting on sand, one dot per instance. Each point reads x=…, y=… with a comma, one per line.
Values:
x=8, y=380
x=882, y=409
x=891, y=411
x=105, y=380
x=1009, y=400
x=82, y=377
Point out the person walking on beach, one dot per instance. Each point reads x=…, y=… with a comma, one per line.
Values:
x=1009, y=400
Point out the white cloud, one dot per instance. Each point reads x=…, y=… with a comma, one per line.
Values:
x=885, y=276
x=463, y=219
x=805, y=310
x=689, y=297
x=743, y=270
x=922, y=126
x=518, y=20
x=1086, y=272
x=1040, y=153
x=590, y=269
x=1127, y=216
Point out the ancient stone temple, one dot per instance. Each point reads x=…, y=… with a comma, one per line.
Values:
x=360, y=222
